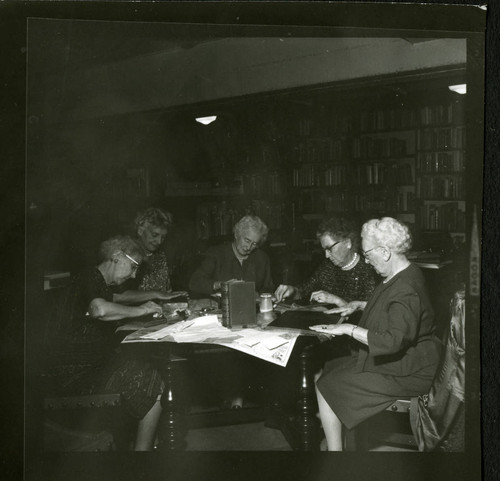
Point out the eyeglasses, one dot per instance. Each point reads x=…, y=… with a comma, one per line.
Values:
x=135, y=264
x=365, y=253
x=329, y=249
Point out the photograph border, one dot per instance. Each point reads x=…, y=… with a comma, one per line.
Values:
x=468, y=21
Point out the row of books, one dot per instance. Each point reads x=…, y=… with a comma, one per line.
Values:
x=374, y=173
x=369, y=202
x=218, y=218
x=313, y=175
x=368, y=147
x=317, y=201
x=329, y=150
x=387, y=119
x=436, y=162
x=390, y=118
x=449, y=217
x=264, y=183
x=452, y=113
x=441, y=138
x=320, y=150
x=390, y=201
x=272, y=213
x=403, y=202
x=379, y=173
x=441, y=187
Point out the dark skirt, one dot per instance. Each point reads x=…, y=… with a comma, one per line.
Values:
x=356, y=396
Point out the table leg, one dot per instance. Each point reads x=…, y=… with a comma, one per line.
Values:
x=307, y=422
x=172, y=428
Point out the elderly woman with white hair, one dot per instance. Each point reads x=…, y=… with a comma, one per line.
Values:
x=241, y=259
x=398, y=349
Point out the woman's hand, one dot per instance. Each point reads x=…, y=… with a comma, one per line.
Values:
x=165, y=296
x=283, y=291
x=326, y=298
x=346, y=310
x=151, y=307
x=218, y=284
x=333, y=329
x=360, y=334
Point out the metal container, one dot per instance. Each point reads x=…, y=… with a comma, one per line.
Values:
x=266, y=303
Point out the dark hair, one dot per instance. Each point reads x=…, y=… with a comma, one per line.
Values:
x=342, y=228
x=122, y=243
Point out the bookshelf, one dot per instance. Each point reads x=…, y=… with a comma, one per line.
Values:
x=441, y=152
x=364, y=167
x=216, y=206
x=406, y=161
x=393, y=148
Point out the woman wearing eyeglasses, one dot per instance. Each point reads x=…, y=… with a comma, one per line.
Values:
x=398, y=349
x=83, y=355
x=342, y=276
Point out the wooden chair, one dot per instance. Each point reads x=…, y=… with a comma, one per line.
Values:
x=76, y=422
x=80, y=423
x=402, y=423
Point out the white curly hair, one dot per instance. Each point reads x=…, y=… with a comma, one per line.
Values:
x=388, y=232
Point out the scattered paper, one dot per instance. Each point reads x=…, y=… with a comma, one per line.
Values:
x=275, y=346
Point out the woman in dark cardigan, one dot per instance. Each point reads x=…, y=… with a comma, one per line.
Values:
x=398, y=349
x=85, y=359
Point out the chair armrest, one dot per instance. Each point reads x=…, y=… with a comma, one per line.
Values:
x=83, y=402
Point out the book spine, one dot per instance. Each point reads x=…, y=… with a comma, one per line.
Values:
x=226, y=314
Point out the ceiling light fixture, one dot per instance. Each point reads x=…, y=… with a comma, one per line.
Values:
x=459, y=89
x=206, y=120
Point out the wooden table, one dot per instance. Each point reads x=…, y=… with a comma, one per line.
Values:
x=301, y=429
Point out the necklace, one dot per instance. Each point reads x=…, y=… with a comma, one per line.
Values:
x=351, y=263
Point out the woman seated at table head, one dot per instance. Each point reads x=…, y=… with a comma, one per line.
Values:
x=398, y=349
x=153, y=278
x=84, y=358
x=239, y=259
x=342, y=276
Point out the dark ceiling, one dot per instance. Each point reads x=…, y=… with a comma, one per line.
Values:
x=71, y=44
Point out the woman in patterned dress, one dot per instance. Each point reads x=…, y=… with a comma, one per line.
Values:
x=84, y=356
x=341, y=277
x=153, y=277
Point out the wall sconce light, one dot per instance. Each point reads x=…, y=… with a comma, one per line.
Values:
x=459, y=89
x=206, y=120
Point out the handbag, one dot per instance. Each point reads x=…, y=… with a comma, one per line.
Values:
x=437, y=418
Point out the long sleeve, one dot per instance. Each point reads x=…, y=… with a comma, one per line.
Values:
x=401, y=332
x=356, y=284
x=220, y=264
x=267, y=285
x=403, y=315
x=317, y=281
x=203, y=278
